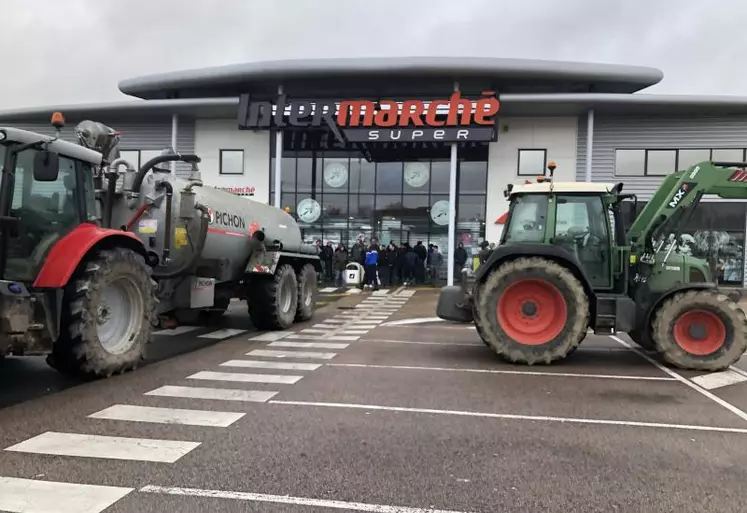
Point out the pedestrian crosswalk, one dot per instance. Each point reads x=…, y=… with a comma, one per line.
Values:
x=281, y=362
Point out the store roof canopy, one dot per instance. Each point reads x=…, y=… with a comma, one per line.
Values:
x=392, y=78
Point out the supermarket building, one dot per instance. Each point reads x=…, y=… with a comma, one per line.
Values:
x=437, y=175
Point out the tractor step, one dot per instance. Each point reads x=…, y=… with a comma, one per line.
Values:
x=614, y=312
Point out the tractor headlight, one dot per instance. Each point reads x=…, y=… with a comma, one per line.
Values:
x=3, y=135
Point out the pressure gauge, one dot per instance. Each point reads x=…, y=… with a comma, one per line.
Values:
x=335, y=174
x=440, y=212
x=416, y=174
x=309, y=210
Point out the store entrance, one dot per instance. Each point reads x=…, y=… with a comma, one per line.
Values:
x=340, y=196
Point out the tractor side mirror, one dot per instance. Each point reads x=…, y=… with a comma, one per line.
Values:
x=46, y=166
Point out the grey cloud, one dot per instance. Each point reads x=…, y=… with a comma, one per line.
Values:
x=77, y=50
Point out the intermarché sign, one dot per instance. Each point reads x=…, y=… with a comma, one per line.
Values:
x=381, y=121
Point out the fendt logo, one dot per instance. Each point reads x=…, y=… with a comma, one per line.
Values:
x=681, y=193
x=454, y=119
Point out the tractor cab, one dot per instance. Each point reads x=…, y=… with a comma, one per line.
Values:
x=46, y=191
x=576, y=217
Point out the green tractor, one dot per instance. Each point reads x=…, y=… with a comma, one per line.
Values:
x=566, y=263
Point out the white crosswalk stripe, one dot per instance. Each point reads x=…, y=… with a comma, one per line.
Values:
x=308, y=345
x=179, y=330
x=257, y=364
x=271, y=336
x=353, y=332
x=219, y=394
x=716, y=380
x=105, y=447
x=32, y=496
x=329, y=290
x=224, y=333
x=246, y=378
x=328, y=337
x=291, y=354
x=318, y=331
x=362, y=327
x=157, y=415
x=330, y=321
x=326, y=326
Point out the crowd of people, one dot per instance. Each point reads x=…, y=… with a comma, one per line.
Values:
x=392, y=264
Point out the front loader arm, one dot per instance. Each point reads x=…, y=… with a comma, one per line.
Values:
x=682, y=190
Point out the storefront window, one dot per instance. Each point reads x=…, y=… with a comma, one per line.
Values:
x=339, y=198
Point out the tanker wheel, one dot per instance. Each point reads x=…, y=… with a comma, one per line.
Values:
x=532, y=310
x=307, y=292
x=700, y=330
x=108, y=309
x=273, y=300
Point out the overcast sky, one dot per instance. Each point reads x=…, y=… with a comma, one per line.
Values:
x=70, y=51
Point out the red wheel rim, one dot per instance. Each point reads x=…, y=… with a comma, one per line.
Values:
x=699, y=332
x=532, y=312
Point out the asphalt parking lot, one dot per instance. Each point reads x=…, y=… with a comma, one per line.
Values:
x=375, y=406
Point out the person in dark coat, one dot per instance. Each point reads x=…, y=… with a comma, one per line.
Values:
x=392, y=259
x=340, y=260
x=409, y=269
x=329, y=253
x=484, y=253
x=384, y=265
x=460, y=260
x=422, y=254
x=358, y=252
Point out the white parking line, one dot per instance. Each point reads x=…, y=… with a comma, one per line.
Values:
x=417, y=320
x=308, y=345
x=224, y=333
x=156, y=415
x=107, y=447
x=219, y=394
x=736, y=411
x=32, y=496
x=502, y=371
x=257, y=364
x=246, y=378
x=419, y=342
x=716, y=380
x=288, y=499
x=509, y=416
x=271, y=336
x=179, y=330
x=291, y=354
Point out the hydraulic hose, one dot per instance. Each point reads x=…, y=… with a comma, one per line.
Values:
x=111, y=187
x=167, y=235
x=176, y=157
x=204, y=224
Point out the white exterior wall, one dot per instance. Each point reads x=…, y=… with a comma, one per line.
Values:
x=557, y=135
x=213, y=135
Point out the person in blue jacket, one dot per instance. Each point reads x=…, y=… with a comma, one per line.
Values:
x=370, y=264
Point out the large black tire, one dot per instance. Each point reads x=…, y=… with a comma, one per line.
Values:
x=552, y=286
x=307, y=293
x=643, y=339
x=721, y=341
x=273, y=300
x=108, y=310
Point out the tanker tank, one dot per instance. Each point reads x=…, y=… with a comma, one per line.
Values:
x=233, y=219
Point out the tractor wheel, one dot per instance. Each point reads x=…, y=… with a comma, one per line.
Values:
x=307, y=288
x=642, y=338
x=700, y=330
x=532, y=310
x=108, y=309
x=273, y=300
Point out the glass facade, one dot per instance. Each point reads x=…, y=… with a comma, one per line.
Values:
x=339, y=198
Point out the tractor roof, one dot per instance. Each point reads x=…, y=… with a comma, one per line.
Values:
x=64, y=148
x=544, y=187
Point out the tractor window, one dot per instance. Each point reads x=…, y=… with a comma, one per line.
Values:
x=581, y=229
x=527, y=219
x=46, y=212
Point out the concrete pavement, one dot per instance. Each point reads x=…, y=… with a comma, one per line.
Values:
x=350, y=412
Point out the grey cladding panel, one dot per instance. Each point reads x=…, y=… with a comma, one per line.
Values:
x=145, y=135
x=612, y=133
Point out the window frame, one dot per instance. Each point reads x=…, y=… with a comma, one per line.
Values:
x=518, y=160
x=676, y=158
x=220, y=161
